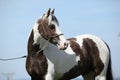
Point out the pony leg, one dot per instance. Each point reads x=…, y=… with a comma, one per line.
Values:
x=100, y=78
x=106, y=74
x=89, y=76
x=49, y=77
x=102, y=75
x=50, y=71
x=37, y=78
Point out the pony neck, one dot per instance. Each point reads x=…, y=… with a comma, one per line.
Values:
x=44, y=43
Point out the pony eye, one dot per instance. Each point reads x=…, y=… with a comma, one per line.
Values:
x=52, y=26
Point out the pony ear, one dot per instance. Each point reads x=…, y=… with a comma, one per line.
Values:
x=53, y=11
x=48, y=12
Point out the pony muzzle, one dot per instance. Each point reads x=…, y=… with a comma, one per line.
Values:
x=62, y=46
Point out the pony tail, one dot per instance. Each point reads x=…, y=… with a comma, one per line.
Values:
x=109, y=75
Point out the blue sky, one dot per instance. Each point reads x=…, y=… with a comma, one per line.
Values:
x=17, y=17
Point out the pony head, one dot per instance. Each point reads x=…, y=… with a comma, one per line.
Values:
x=48, y=27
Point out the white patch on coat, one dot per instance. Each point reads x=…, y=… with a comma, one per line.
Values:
x=36, y=33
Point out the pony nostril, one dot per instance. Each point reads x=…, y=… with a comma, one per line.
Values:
x=66, y=44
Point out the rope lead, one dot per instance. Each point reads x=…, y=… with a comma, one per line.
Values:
x=13, y=58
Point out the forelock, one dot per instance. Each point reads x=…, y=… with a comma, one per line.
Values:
x=42, y=21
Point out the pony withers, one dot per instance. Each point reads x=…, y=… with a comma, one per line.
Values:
x=53, y=57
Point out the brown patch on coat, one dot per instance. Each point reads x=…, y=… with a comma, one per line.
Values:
x=72, y=39
x=36, y=64
x=89, y=59
x=92, y=50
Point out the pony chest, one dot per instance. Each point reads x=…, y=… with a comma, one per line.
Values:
x=63, y=61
